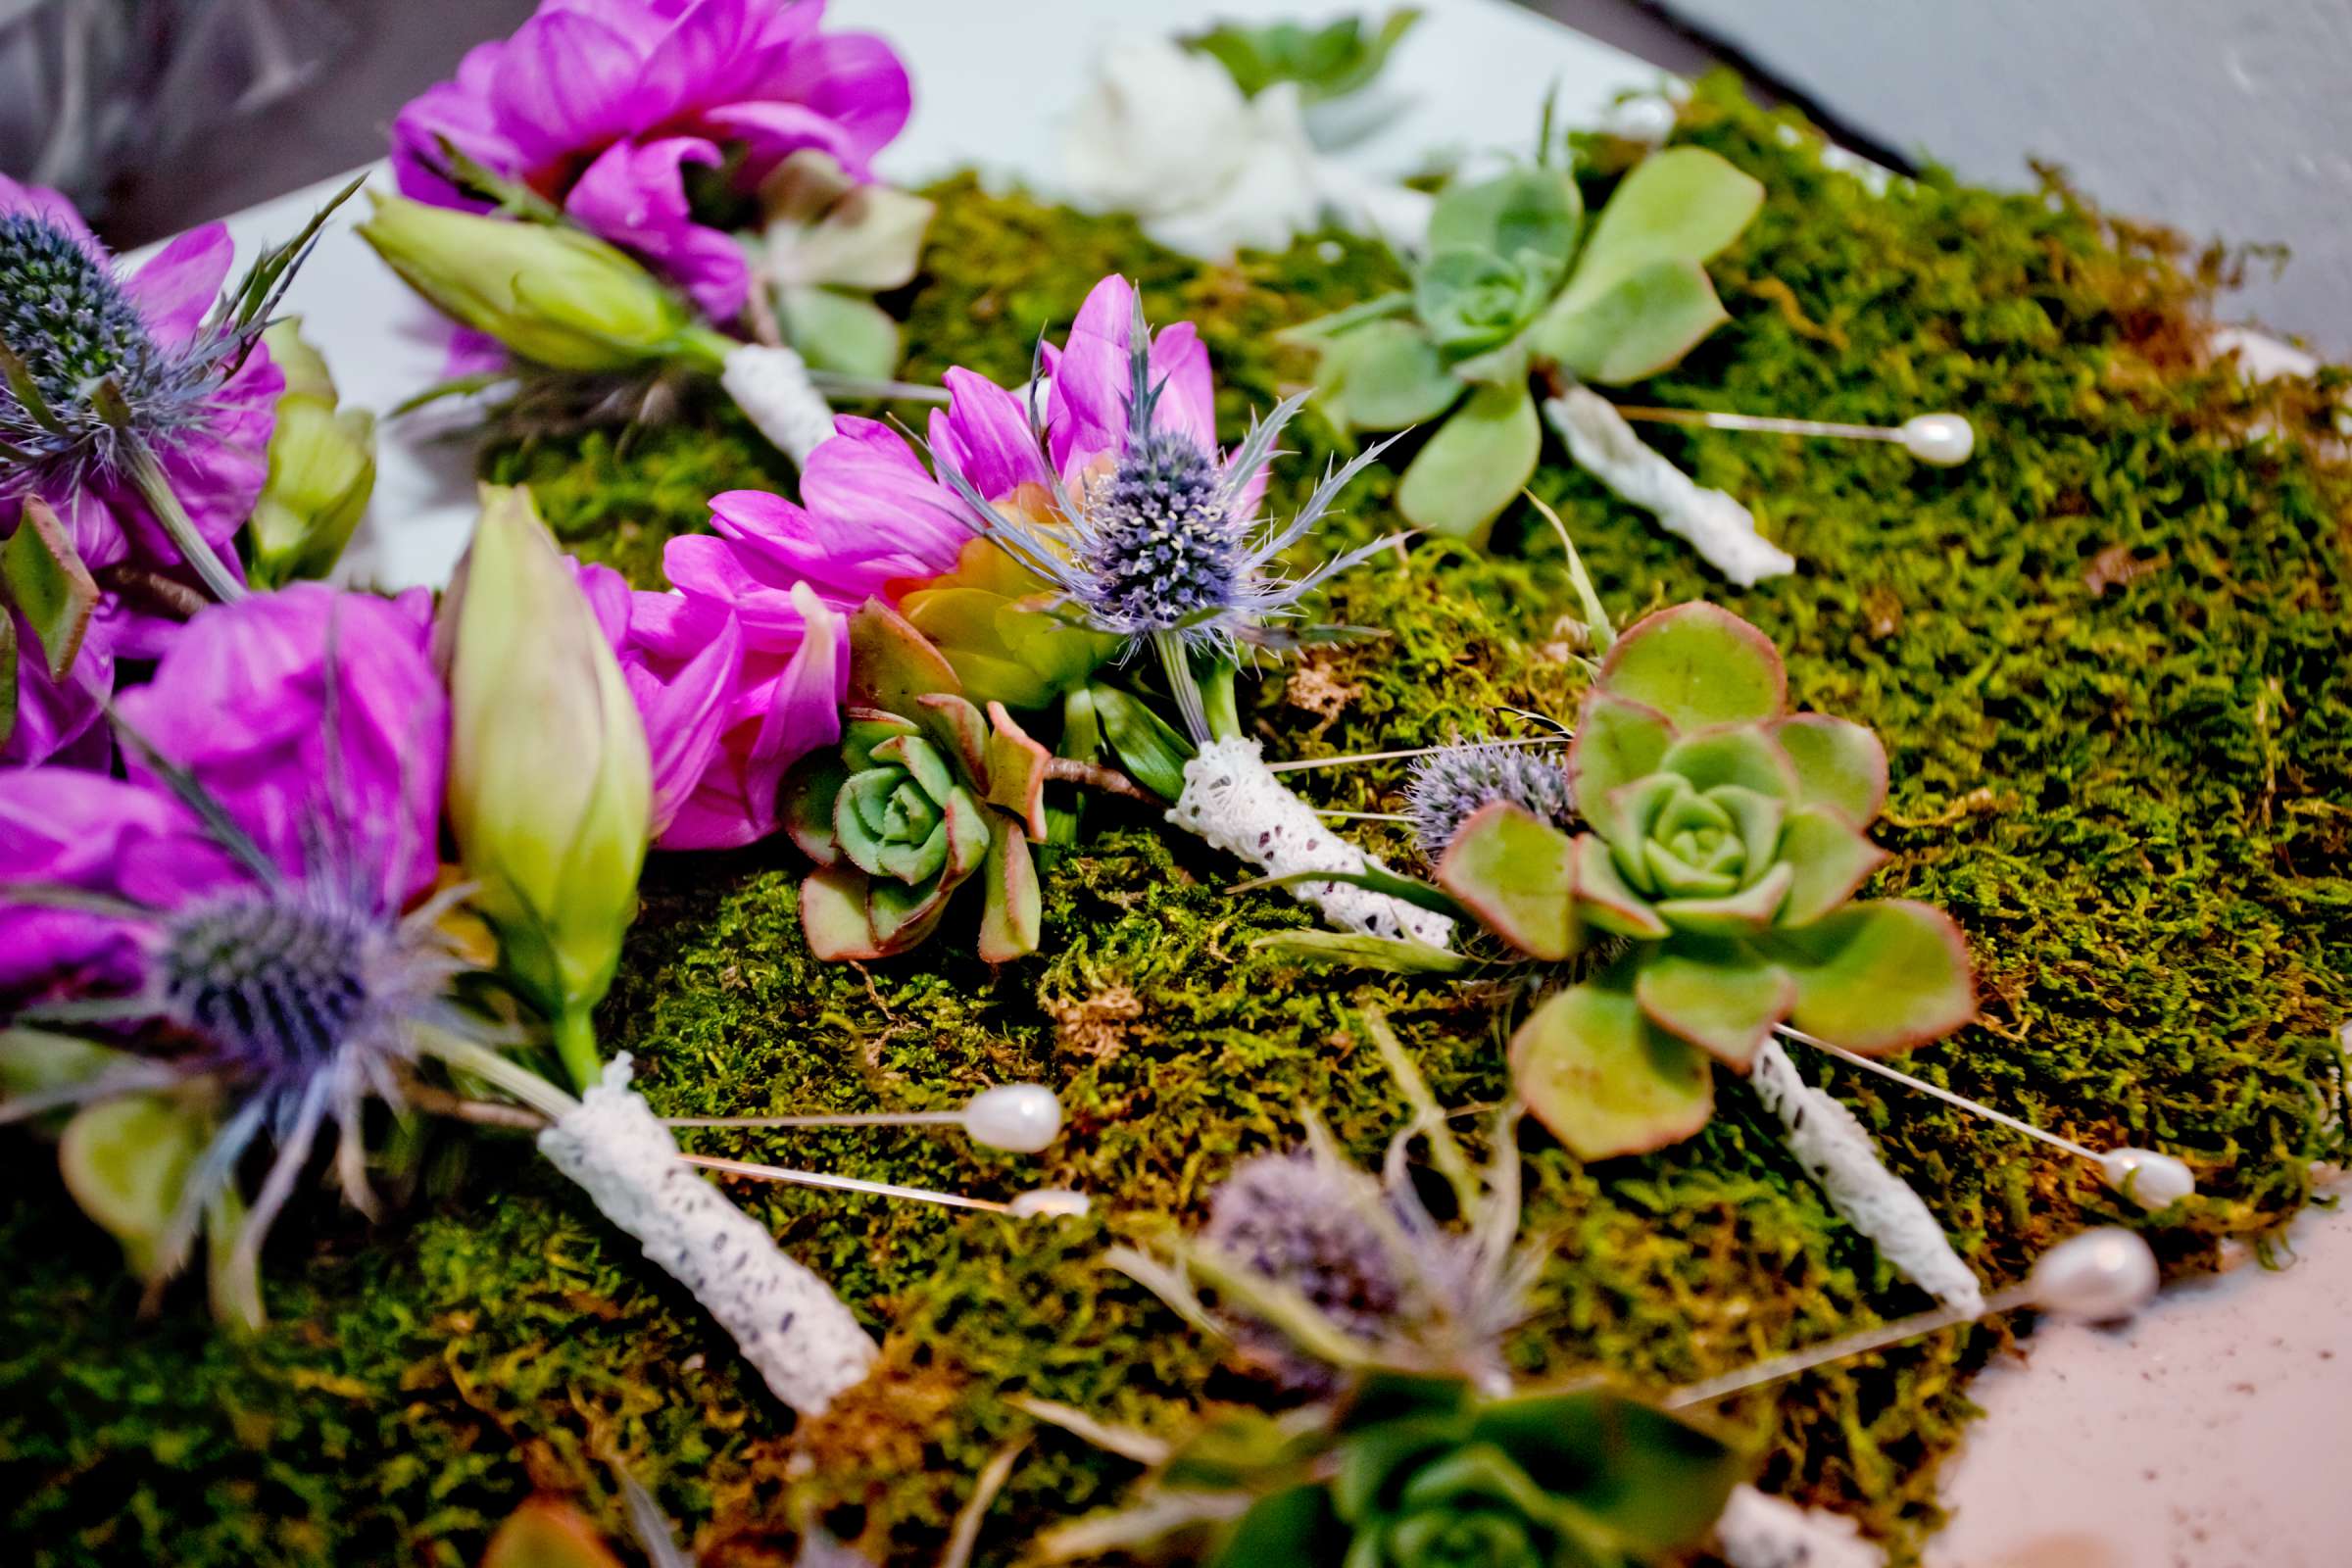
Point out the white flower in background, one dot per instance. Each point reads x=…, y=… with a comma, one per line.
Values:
x=1166, y=135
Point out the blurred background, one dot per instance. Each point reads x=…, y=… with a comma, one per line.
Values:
x=2216, y=116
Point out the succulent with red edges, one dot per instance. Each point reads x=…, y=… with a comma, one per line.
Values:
x=1726, y=841
x=925, y=792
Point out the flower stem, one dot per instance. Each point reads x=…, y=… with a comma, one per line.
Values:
x=147, y=478
x=1184, y=686
x=575, y=1048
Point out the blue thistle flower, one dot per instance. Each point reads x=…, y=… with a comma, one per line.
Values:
x=1163, y=548
x=1447, y=786
x=1309, y=1223
x=86, y=371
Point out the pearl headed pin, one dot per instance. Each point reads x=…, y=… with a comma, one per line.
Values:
x=1940, y=440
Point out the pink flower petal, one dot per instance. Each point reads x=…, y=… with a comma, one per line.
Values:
x=1085, y=412
x=1188, y=397
x=852, y=78
x=635, y=196
x=180, y=282
x=984, y=435
x=53, y=205
x=771, y=132
x=568, y=82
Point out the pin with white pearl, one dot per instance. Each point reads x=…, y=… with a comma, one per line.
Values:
x=2149, y=1177
x=1019, y=1118
x=1940, y=440
x=2100, y=1276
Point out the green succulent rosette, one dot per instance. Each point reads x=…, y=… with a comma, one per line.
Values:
x=1515, y=287
x=1424, y=1474
x=925, y=792
x=1726, y=840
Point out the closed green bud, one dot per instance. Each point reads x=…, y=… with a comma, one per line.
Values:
x=322, y=470
x=549, y=781
x=551, y=294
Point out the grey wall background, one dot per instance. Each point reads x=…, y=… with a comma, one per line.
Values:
x=2230, y=117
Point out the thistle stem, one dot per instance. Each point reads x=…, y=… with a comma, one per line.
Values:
x=147, y=478
x=1184, y=686
x=877, y=389
x=488, y=1065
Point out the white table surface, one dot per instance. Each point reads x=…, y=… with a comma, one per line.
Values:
x=2203, y=1438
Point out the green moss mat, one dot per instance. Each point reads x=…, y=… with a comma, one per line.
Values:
x=2133, y=799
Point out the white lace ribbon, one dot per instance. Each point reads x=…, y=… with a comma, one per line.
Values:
x=771, y=384
x=1235, y=801
x=1717, y=526
x=787, y=1322
x=1839, y=1155
x=1758, y=1530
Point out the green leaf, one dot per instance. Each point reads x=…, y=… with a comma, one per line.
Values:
x=1152, y=754
x=1014, y=916
x=48, y=583
x=1656, y=1481
x=1643, y=324
x=34, y=1061
x=1404, y=889
x=1293, y=1526
x=1378, y=1459
x=126, y=1162
x=1698, y=665
x=839, y=332
x=1527, y=209
x=8, y=675
x=1682, y=205
x=1389, y=955
x=1741, y=756
x=1384, y=376
x=1721, y=997
x=1327, y=62
x=1604, y=1078
x=1840, y=764
x=1513, y=871
x=1476, y=463
x=1832, y=860
x=1878, y=977
x=548, y=1533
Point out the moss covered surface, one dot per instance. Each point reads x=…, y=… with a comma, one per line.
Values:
x=2132, y=798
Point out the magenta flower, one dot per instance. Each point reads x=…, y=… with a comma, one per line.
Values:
x=741, y=670
x=123, y=366
x=1120, y=499
x=627, y=113
x=57, y=720
x=245, y=886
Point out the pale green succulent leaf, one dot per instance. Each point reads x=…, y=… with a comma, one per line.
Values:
x=1383, y=375
x=1604, y=1078
x=1643, y=323
x=1840, y=764
x=1878, y=977
x=1738, y=755
x=1831, y=861
x=1617, y=741
x=1013, y=916
x=1742, y=913
x=1721, y=997
x=1477, y=460
x=1604, y=897
x=1650, y=1480
x=1513, y=871
x=1699, y=666
x=1680, y=205
x=1527, y=209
